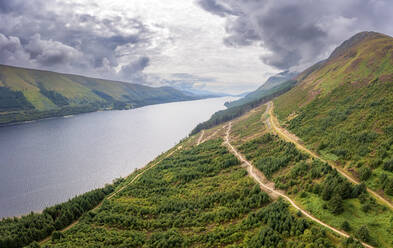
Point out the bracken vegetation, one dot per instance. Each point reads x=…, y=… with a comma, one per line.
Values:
x=348, y=119
x=321, y=190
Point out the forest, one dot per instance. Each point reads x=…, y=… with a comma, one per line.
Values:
x=198, y=197
x=13, y=100
x=18, y=232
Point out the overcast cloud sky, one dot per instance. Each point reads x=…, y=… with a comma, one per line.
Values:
x=219, y=45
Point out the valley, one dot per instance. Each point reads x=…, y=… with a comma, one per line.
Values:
x=302, y=162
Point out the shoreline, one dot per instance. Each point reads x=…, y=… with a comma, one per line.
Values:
x=68, y=115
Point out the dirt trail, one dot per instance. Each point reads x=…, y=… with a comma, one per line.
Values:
x=273, y=124
x=200, y=138
x=208, y=137
x=114, y=193
x=256, y=174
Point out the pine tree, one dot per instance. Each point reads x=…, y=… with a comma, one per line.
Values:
x=336, y=204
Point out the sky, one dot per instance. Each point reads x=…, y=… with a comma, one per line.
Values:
x=218, y=45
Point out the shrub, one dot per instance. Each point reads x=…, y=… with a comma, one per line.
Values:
x=364, y=173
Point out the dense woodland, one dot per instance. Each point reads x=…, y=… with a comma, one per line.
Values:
x=198, y=197
x=18, y=232
x=13, y=100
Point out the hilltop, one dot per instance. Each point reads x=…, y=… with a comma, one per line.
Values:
x=28, y=94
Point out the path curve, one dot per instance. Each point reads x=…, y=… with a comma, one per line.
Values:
x=273, y=124
x=251, y=170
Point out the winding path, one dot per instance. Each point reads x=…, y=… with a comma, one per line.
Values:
x=273, y=124
x=253, y=172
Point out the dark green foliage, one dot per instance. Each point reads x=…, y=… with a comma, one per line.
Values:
x=351, y=243
x=364, y=173
x=387, y=183
x=103, y=95
x=363, y=234
x=276, y=153
x=56, y=235
x=388, y=165
x=336, y=204
x=266, y=237
x=18, y=232
x=336, y=184
x=13, y=100
x=345, y=226
x=35, y=244
x=280, y=224
x=169, y=239
x=54, y=96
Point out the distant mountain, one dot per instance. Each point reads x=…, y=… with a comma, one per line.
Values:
x=203, y=93
x=27, y=94
x=274, y=84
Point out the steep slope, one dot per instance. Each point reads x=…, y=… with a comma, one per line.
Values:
x=343, y=109
x=359, y=61
x=198, y=195
x=279, y=82
x=33, y=94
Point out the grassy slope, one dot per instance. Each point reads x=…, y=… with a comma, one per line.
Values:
x=75, y=92
x=305, y=180
x=344, y=109
x=263, y=91
x=200, y=197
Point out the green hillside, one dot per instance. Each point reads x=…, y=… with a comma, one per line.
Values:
x=343, y=109
x=246, y=180
x=279, y=82
x=27, y=94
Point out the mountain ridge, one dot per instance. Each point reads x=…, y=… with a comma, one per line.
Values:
x=35, y=94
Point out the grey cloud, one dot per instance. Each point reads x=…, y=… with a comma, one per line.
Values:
x=12, y=51
x=182, y=81
x=136, y=66
x=298, y=33
x=218, y=7
x=133, y=71
x=51, y=53
x=53, y=36
x=192, y=78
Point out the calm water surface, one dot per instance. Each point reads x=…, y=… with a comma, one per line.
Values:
x=49, y=161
